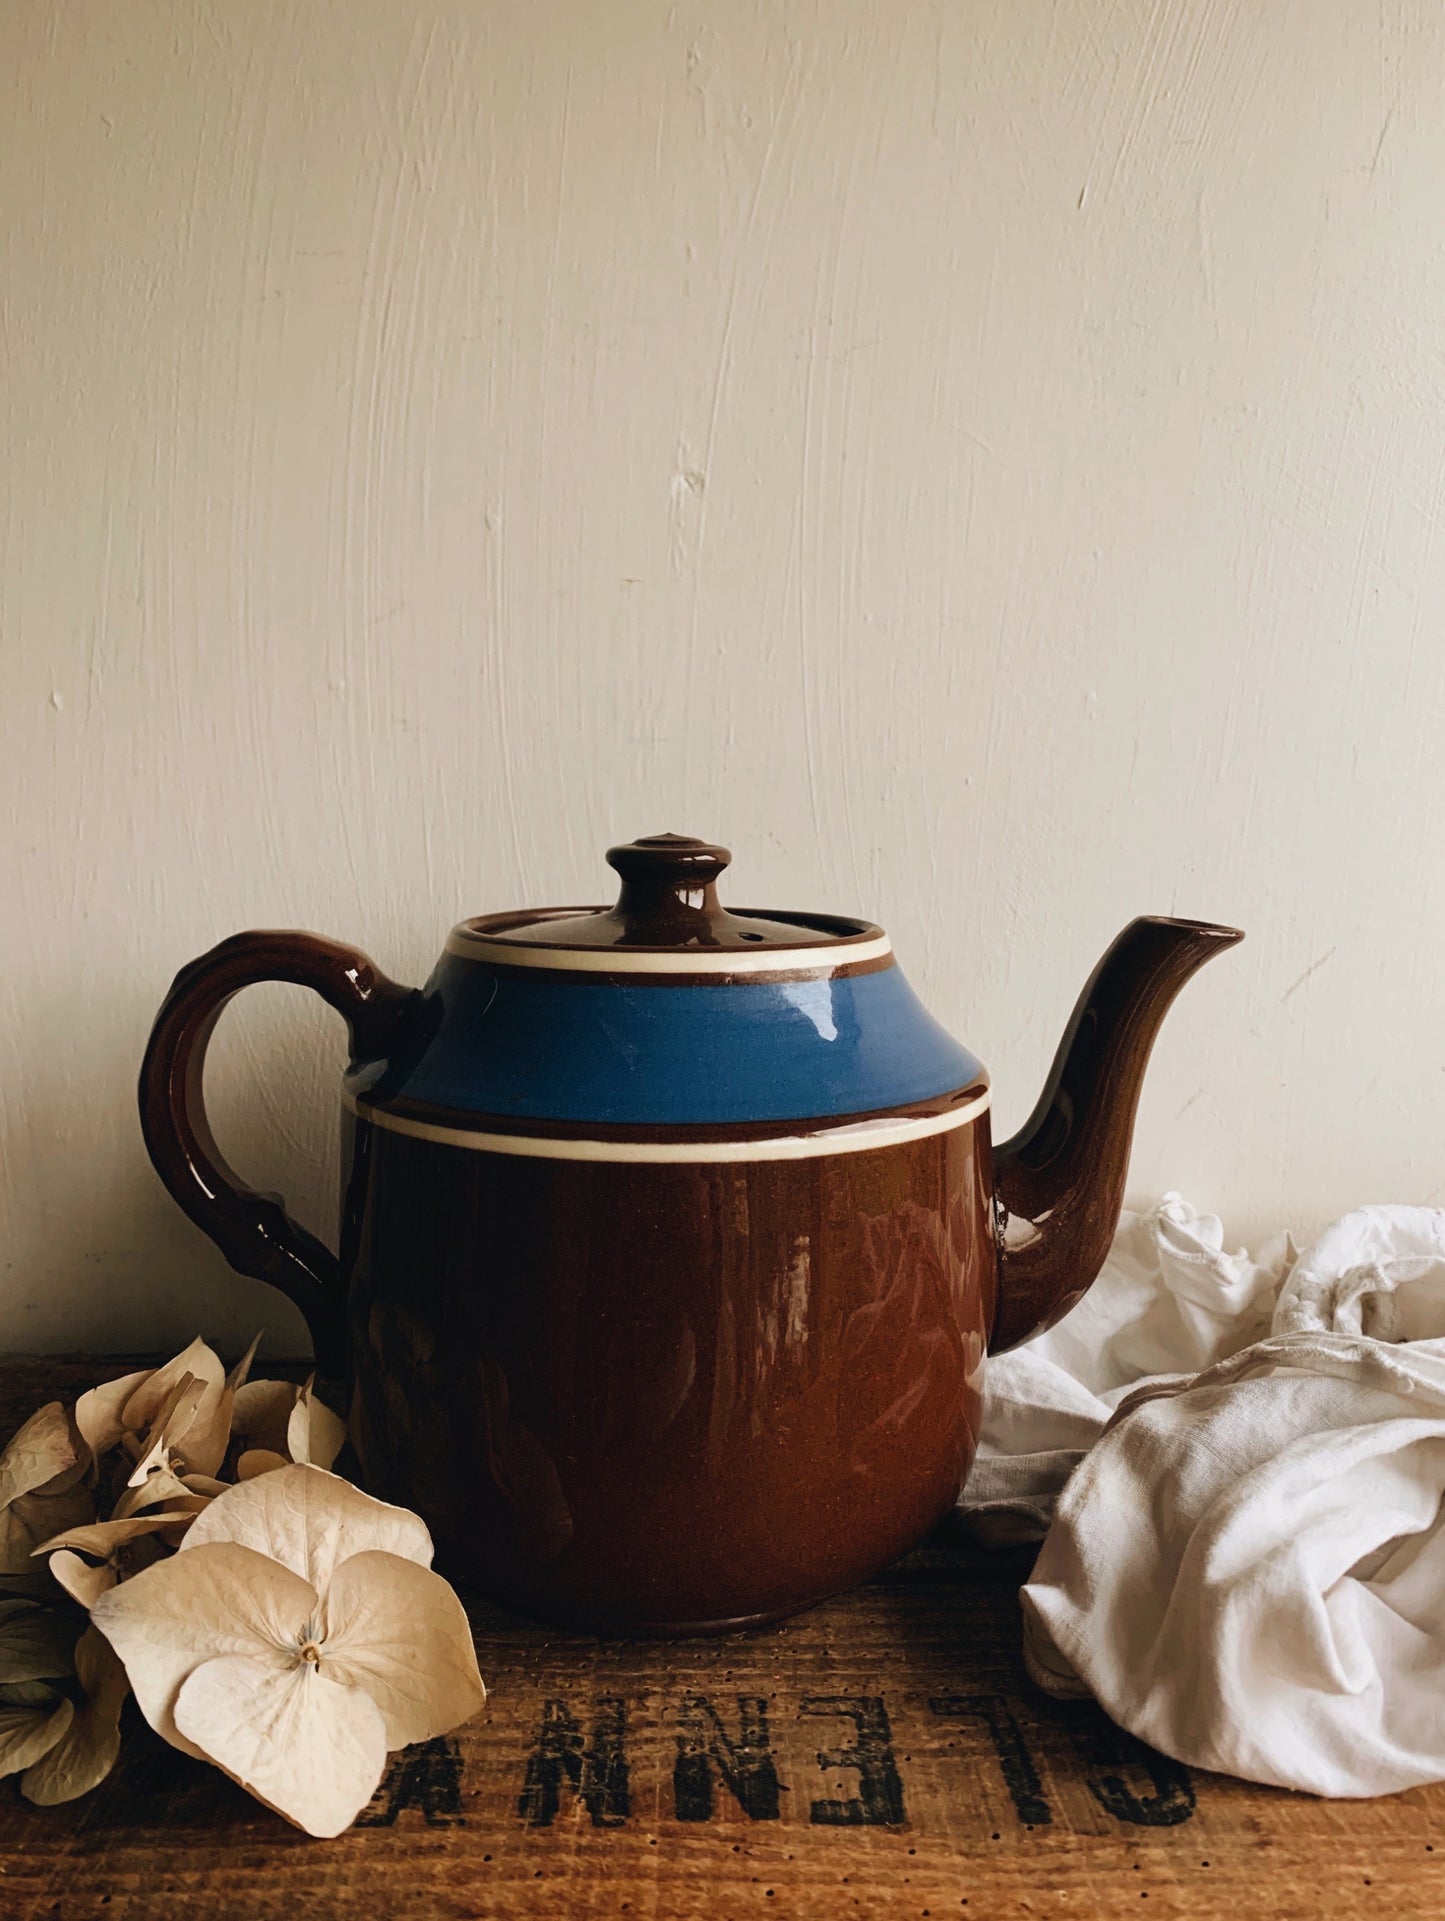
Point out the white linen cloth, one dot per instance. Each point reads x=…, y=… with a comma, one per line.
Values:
x=1247, y=1564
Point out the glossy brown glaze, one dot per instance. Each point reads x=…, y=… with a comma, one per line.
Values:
x=254, y=1231
x=1060, y=1180
x=669, y=1375
x=668, y=1398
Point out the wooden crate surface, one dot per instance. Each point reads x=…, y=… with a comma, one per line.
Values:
x=882, y=1755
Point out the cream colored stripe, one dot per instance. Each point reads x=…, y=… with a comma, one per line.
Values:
x=856, y=1138
x=628, y=960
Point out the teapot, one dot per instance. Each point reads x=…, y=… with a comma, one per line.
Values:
x=672, y=1239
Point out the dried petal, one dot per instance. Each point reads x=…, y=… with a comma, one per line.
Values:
x=262, y=1412
x=200, y=1447
x=27, y=1732
x=171, y=1617
x=81, y=1581
x=103, y=1537
x=172, y=1420
x=27, y=1694
x=309, y=1748
x=88, y=1745
x=34, y=1585
x=161, y=1488
x=36, y=1643
x=152, y=1392
x=34, y=1518
x=259, y=1460
x=205, y=1487
x=237, y=1377
x=398, y=1631
x=309, y=1521
x=43, y=1451
x=98, y=1413
x=314, y=1435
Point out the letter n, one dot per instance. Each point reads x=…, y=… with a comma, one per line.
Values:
x=595, y=1769
x=745, y=1765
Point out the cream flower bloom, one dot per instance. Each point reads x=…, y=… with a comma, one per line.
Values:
x=296, y=1636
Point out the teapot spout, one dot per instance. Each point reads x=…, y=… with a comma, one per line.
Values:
x=1059, y=1182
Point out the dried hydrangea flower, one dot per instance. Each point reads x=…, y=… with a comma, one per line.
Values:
x=89, y=1738
x=37, y=1651
x=296, y=1636
x=41, y=1486
x=62, y=1746
x=191, y=1398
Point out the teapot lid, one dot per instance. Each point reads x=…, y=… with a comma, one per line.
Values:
x=667, y=905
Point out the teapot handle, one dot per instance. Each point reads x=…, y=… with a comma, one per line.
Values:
x=254, y=1231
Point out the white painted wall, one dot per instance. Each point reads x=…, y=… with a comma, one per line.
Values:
x=983, y=459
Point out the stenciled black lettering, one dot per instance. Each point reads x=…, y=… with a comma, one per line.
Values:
x=879, y=1800
x=427, y=1776
x=1107, y=1751
x=595, y=1768
x=1016, y=1764
x=745, y=1765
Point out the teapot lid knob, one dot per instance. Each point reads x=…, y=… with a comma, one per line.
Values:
x=669, y=889
x=669, y=860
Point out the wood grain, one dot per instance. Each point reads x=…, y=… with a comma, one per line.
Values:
x=883, y=1755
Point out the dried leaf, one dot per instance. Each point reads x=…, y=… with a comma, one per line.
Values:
x=309, y=1521
x=309, y=1748
x=397, y=1631
x=28, y=1731
x=314, y=1435
x=87, y=1749
x=258, y=1460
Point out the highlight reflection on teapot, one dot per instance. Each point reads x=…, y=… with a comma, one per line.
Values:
x=672, y=1238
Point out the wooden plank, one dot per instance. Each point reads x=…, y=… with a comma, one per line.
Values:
x=884, y=1754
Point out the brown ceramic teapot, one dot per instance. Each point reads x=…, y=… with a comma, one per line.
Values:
x=672, y=1239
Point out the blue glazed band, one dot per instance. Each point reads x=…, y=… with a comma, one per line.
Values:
x=580, y=1050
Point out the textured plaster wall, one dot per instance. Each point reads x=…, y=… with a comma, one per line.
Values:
x=983, y=459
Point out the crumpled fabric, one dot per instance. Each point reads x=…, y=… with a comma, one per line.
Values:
x=1240, y=1464
x=1169, y=1301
